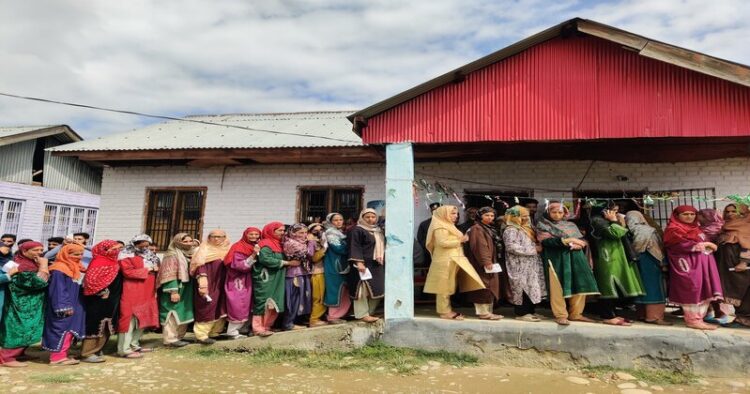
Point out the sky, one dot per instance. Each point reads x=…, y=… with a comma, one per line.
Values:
x=185, y=57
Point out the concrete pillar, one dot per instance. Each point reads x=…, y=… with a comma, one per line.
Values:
x=399, y=232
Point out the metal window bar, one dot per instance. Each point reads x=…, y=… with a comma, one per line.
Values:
x=13, y=212
x=160, y=216
x=48, y=223
x=188, y=214
x=662, y=209
x=314, y=205
x=347, y=202
x=90, y=225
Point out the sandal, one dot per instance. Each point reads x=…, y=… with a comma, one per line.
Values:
x=490, y=316
x=14, y=364
x=337, y=321
x=143, y=350
x=562, y=321
x=617, y=321
x=133, y=355
x=318, y=324
x=658, y=322
x=703, y=326
x=582, y=319
x=370, y=319
x=264, y=334
x=453, y=316
x=67, y=361
x=528, y=318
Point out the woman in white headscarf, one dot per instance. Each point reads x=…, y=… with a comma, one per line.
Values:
x=367, y=256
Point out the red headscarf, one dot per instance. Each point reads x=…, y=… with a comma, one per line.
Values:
x=678, y=231
x=26, y=264
x=66, y=263
x=103, y=268
x=269, y=239
x=243, y=246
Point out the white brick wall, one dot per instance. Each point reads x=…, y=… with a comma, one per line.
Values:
x=255, y=195
x=35, y=197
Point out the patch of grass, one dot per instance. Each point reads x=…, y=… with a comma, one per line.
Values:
x=53, y=378
x=652, y=376
x=375, y=357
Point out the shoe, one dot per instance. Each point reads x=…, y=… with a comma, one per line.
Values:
x=176, y=344
x=207, y=341
x=94, y=359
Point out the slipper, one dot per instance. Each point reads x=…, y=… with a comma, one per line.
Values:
x=337, y=321
x=658, y=322
x=14, y=364
x=143, y=350
x=133, y=355
x=455, y=316
x=318, y=324
x=562, y=321
x=582, y=319
x=370, y=319
x=67, y=361
x=490, y=316
x=702, y=326
x=617, y=321
x=528, y=318
x=264, y=334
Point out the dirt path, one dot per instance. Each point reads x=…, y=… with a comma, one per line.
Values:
x=195, y=369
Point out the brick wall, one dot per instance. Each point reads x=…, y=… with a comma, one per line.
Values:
x=254, y=195
x=35, y=197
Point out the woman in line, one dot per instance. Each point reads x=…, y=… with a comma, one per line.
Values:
x=207, y=267
x=23, y=312
x=317, y=280
x=102, y=288
x=269, y=278
x=176, y=289
x=238, y=287
x=733, y=258
x=138, y=308
x=297, y=288
x=64, y=319
x=616, y=274
x=693, y=278
x=483, y=256
x=568, y=269
x=367, y=254
x=711, y=223
x=336, y=268
x=525, y=268
x=651, y=263
x=449, y=265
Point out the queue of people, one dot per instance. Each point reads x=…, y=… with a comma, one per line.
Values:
x=699, y=262
x=281, y=277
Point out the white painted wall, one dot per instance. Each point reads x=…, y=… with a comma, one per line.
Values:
x=34, y=198
x=255, y=195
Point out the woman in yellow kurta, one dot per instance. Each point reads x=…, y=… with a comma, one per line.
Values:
x=449, y=265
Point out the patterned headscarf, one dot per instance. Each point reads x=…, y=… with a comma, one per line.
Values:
x=174, y=265
x=334, y=236
x=710, y=222
x=548, y=228
x=513, y=219
x=103, y=268
x=645, y=237
x=150, y=259
x=26, y=264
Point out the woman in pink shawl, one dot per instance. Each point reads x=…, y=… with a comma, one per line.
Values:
x=239, y=285
x=298, y=291
x=693, y=278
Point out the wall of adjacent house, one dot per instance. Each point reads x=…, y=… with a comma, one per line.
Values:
x=255, y=195
x=35, y=198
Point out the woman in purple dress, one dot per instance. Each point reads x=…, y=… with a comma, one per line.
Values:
x=238, y=287
x=297, y=288
x=693, y=278
x=64, y=317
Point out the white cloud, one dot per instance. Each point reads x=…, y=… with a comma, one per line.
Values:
x=192, y=56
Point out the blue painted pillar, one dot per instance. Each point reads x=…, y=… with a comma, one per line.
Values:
x=399, y=232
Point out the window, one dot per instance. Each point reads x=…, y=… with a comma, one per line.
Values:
x=10, y=215
x=172, y=211
x=498, y=199
x=662, y=208
x=60, y=220
x=317, y=202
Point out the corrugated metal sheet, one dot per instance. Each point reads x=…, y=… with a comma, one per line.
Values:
x=569, y=89
x=16, y=162
x=171, y=135
x=12, y=135
x=69, y=173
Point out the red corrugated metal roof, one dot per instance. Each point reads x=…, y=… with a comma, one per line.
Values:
x=575, y=88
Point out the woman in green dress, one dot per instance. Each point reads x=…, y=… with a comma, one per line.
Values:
x=176, y=294
x=567, y=267
x=615, y=270
x=269, y=274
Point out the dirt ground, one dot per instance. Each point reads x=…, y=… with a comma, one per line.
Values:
x=199, y=369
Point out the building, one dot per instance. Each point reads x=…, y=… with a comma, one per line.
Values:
x=42, y=195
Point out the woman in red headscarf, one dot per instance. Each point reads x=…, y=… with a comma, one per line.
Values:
x=238, y=285
x=269, y=274
x=693, y=278
x=102, y=286
x=23, y=317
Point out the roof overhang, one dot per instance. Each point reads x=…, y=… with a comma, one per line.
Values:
x=681, y=57
x=61, y=130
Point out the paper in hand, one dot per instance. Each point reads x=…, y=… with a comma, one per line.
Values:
x=9, y=266
x=367, y=275
x=495, y=269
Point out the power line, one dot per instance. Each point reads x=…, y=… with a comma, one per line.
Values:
x=165, y=117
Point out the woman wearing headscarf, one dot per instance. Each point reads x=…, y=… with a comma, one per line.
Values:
x=23, y=312
x=693, y=278
x=651, y=263
x=568, y=270
x=525, y=268
x=483, y=256
x=615, y=270
x=268, y=279
x=176, y=289
x=336, y=268
x=449, y=265
x=64, y=319
x=297, y=288
x=366, y=254
x=138, y=308
x=207, y=267
x=733, y=259
x=238, y=286
x=102, y=288
x=316, y=235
